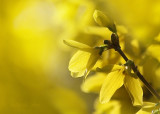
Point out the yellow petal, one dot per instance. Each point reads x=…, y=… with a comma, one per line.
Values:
x=157, y=38
x=147, y=108
x=113, y=107
x=153, y=50
x=98, y=64
x=111, y=57
x=78, y=62
x=99, y=31
x=64, y=105
x=93, y=83
x=135, y=47
x=92, y=61
x=109, y=68
x=148, y=105
x=116, y=67
x=145, y=111
x=103, y=20
x=121, y=29
x=78, y=45
x=113, y=81
x=106, y=68
x=118, y=106
x=134, y=89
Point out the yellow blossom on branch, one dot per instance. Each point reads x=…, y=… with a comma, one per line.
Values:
x=116, y=79
x=113, y=76
x=85, y=59
x=104, y=20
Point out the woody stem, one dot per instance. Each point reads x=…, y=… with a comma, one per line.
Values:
x=136, y=71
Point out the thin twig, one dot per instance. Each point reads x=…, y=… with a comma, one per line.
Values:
x=114, y=44
x=136, y=71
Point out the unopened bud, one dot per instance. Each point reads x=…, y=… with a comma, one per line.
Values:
x=115, y=40
x=104, y=21
x=107, y=42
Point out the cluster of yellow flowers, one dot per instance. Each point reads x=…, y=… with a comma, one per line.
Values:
x=33, y=59
x=109, y=74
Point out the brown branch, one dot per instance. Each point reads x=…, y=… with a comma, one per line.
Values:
x=140, y=76
x=114, y=44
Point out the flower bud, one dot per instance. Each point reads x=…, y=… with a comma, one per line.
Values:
x=107, y=42
x=115, y=40
x=104, y=21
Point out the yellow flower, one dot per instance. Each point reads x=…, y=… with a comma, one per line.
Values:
x=106, y=29
x=84, y=60
x=94, y=82
x=109, y=84
x=115, y=79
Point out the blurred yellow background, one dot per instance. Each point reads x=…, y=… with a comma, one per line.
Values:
x=34, y=76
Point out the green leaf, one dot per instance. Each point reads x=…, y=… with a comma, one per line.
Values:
x=78, y=45
x=156, y=109
x=113, y=81
x=134, y=89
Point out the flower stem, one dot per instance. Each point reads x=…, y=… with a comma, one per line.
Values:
x=136, y=71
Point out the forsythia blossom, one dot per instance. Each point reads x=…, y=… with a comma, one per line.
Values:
x=111, y=77
x=85, y=59
x=115, y=79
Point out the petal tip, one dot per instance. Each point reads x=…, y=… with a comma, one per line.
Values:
x=103, y=101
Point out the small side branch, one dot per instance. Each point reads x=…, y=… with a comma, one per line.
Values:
x=140, y=76
x=114, y=44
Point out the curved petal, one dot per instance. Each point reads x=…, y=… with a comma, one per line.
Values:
x=92, y=61
x=78, y=45
x=113, y=81
x=157, y=38
x=152, y=50
x=78, y=63
x=122, y=29
x=109, y=68
x=99, y=31
x=134, y=89
x=118, y=106
x=148, y=105
x=93, y=83
x=113, y=107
